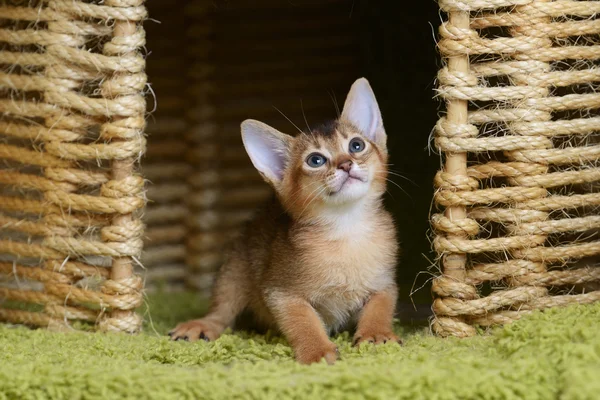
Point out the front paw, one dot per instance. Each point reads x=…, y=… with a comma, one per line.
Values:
x=191, y=331
x=316, y=352
x=375, y=337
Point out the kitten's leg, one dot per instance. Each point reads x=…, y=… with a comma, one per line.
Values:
x=229, y=298
x=376, y=317
x=303, y=328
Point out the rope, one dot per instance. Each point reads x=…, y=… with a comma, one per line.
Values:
x=528, y=200
x=65, y=208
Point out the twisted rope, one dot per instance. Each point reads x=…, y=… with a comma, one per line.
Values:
x=72, y=209
x=519, y=180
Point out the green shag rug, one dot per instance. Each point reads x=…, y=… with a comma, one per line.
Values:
x=548, y=355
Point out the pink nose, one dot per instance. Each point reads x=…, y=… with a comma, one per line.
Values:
x=346, y=165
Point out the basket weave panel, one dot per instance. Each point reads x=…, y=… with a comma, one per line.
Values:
x=165, y=165
x=519, y=188
x=72, y=104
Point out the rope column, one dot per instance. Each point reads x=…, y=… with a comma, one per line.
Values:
x=530, y=232
x=454, y=263
x=124, y=128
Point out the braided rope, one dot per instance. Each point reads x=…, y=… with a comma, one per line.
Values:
x=67, y=208
x=25, y=317
x=542, y=193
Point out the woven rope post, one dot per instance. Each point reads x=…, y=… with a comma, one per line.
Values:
x=520, y=226
x=73, y=119
x=126, y=227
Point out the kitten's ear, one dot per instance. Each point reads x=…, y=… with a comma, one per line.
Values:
x=268, y=149
x=362, y=110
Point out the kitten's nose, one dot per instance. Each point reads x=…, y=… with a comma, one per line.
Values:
x=345, y=165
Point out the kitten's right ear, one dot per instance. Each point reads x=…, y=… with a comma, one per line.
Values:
x=268, y=149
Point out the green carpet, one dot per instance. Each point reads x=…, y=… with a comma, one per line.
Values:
x=555, y=354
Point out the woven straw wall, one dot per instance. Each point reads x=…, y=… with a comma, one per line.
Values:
x=519, y=187
x=164, y=165
x=244, y=60
x=71, y=123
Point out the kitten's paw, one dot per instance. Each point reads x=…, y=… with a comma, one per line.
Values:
x=375, y=337
x=315, y=353
x=191, y=331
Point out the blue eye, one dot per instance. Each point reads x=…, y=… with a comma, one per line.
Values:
x=356, y=145
x=316, y=160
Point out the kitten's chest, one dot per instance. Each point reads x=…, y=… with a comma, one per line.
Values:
x=351, y=252
x=344, y=273
x=354, y=266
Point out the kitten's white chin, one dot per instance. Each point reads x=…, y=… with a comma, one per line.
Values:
x=352, y=189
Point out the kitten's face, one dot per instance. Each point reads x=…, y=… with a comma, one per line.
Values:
x=338, y=164
x=332, y=166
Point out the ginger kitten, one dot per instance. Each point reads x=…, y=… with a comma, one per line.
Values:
x=323, y=253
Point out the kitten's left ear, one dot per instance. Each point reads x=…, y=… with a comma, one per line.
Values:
x=362, y=110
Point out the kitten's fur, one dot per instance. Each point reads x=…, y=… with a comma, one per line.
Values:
x=323, y=253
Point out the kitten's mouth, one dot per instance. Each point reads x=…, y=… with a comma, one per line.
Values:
x=352, y=178
x=348, y=180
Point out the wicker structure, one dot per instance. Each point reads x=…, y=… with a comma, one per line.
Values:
x=72, y=122
x=164, y=165
x=520, y=140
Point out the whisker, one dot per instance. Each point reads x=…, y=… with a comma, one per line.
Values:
x=335, y=103
x=300, y=189
x=397, y=185
x=313, y=199
x=285, y=116
x=304, y=115
x=400, y=187
x=391, y=195
x=293, y=195
x=310, y=194
x=396, y=173
x=403, y=177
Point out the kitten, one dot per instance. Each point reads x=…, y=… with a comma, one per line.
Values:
x=323, y=253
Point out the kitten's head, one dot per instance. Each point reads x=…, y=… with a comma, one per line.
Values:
x=337, y=164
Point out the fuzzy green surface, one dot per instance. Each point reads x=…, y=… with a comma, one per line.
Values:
x=554, y=354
